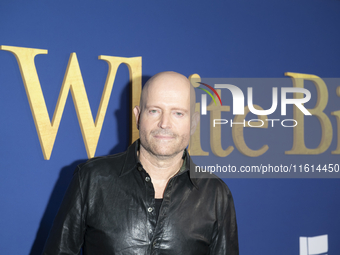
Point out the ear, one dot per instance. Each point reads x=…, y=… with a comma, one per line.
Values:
x=194, y=122
x=136, y=112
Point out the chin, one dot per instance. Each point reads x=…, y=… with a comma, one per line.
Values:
x=164, y=152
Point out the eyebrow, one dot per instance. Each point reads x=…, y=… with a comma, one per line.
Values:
x=174, y=108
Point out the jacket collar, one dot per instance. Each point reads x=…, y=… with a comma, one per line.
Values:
x=132, y=162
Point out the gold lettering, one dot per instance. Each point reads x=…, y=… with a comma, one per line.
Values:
x=337, y=116
x=73, y=81
x=299, y=147
x=195, y=148
x=238, y=135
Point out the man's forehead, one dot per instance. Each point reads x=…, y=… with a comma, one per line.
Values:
x=169, y=90
x=172, y=105
x=167, y=100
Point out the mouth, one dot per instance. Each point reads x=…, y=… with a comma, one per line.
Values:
x=163, y=137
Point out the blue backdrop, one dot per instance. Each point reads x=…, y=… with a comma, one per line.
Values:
x=241, y=38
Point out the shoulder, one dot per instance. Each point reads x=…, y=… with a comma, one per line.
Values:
x=216, y=193
x=104, y=165
x=210, y=185
x=213, y=184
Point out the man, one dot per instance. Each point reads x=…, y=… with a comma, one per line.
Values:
x=143, y=201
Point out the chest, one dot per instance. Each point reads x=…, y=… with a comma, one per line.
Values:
x=122, y=217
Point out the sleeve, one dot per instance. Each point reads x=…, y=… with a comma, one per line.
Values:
x=67, y=233
x=225, y=241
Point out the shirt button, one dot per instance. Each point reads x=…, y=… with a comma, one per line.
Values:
x=150, y=209
x=139, y=168
x=147, y=179
x=154, y=243
x=150, y=230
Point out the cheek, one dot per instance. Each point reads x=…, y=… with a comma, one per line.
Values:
x=146, y=125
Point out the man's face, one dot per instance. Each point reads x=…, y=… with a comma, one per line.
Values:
x=164, y=120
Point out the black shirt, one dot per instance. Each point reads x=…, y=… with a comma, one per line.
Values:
x=109, y=209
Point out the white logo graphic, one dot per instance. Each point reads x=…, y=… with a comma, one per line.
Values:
x=316, y=245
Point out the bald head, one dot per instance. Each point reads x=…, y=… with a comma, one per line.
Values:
x=167, y=81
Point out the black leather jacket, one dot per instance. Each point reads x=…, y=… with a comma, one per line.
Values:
x=109, y=209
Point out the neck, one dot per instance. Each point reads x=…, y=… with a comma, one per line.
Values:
x=160, y=169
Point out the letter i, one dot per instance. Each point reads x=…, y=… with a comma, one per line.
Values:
x=204, y=104
x=337, y=115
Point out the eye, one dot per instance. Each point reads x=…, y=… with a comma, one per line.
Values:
x=153, y=111
x=179, y=114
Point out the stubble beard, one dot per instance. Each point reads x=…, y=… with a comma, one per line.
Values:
x=163, y=149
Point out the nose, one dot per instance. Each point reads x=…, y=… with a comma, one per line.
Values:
x=165, y=121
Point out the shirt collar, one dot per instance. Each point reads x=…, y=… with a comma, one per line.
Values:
x=132, y=162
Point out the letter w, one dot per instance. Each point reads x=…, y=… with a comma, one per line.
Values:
x=47, y=130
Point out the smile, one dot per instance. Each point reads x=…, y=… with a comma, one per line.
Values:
x=163, y=137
